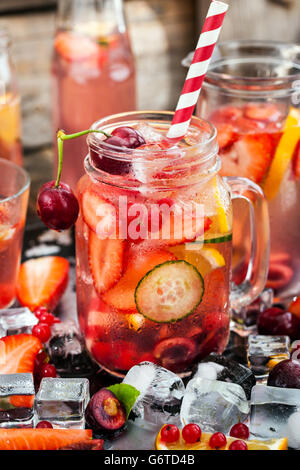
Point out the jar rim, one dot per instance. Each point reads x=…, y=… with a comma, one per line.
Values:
x=242, y=52
x=127, y=154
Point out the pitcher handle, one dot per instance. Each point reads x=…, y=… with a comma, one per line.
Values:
x=258, y=266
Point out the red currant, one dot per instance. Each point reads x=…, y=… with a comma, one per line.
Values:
x=238, y=445
x=38, y=311
x=240, y=431
x=170, y=433
x=47, y=370
x=47, y=318
x=44, y=424
x=217, y=440
x=56, y=320
x=42, y=331
x=191, y=433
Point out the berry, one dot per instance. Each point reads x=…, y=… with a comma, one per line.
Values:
x=217, y=440
x=48, y=370
x=123, y=137
x=286, y=374
x=170, y=433
x=56, y=320
x=191, y=433
x=41, y=359
x=44, y=424
x=130, y=137
x=275, y=321
x=57, y=206
x=240, y=431
x=47, y=318
x=38, y=311
x=42, y=331
x=238, y=445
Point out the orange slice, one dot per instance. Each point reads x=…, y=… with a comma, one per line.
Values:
x=272, y=444
x=283, y=155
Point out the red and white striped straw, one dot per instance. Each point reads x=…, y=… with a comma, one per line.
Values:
x=197, y=71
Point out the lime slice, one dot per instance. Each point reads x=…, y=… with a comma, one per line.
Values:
x=219, y=239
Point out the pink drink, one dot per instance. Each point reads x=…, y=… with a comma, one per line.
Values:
x=14, y=192
x=92, y=77
x=153, y=245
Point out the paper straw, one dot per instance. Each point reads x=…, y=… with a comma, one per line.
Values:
x=197, y=71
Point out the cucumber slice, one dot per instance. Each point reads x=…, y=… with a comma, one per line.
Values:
x=169, y=292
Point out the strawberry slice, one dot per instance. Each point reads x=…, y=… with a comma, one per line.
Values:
x=226, y=114
x=99, y=215
x=105, y=261
x=250, y=156
x=121, y=296
x=75, y=47
x=226, y=135
x=180, y=228
x=18, y=353
x=42, y=281
x=262, y=112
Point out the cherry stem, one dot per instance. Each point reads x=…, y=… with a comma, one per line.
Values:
x=61, y=136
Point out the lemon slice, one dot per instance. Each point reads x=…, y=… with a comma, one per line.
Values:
x=272, y=444
x=205, y=260
x=221, y=212
x=283, y=155
x=135, y=321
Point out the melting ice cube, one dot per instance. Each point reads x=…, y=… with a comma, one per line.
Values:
x=14, y=321
x=265, y=351
x=214, y=405
x=275, y=412
x=161, y=393
x=16, y=400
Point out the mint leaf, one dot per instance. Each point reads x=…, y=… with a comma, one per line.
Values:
x=126, y=394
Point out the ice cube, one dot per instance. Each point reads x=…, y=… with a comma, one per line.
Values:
x=14, y=321
x=67, y=351
x=149, y=133
x=16, y=400
x=161, y=393
x=217, y=367
x=275, y=412
x=214, y=405
x=62, y=401
x=266, y=351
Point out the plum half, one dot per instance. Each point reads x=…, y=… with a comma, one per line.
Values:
x=105, y=414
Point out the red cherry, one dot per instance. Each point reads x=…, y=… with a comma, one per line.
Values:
x=191, y=433
x=38, y=311
x=47, y=318
x=44, y=424
x=217, y=440
x=170, y=433
x=131, y=138
x=57, y=207
x=240, y=430
x=48, y=370
x=42, y=331
x=275, y=321
x=238, y=445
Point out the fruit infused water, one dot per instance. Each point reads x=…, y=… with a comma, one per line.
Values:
x=260, y=142
x=92, y=73
x=153, y=243
x=251, y=94
x=14, y=192
x=142, y=294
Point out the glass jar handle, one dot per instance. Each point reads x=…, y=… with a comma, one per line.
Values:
x=257, y=271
